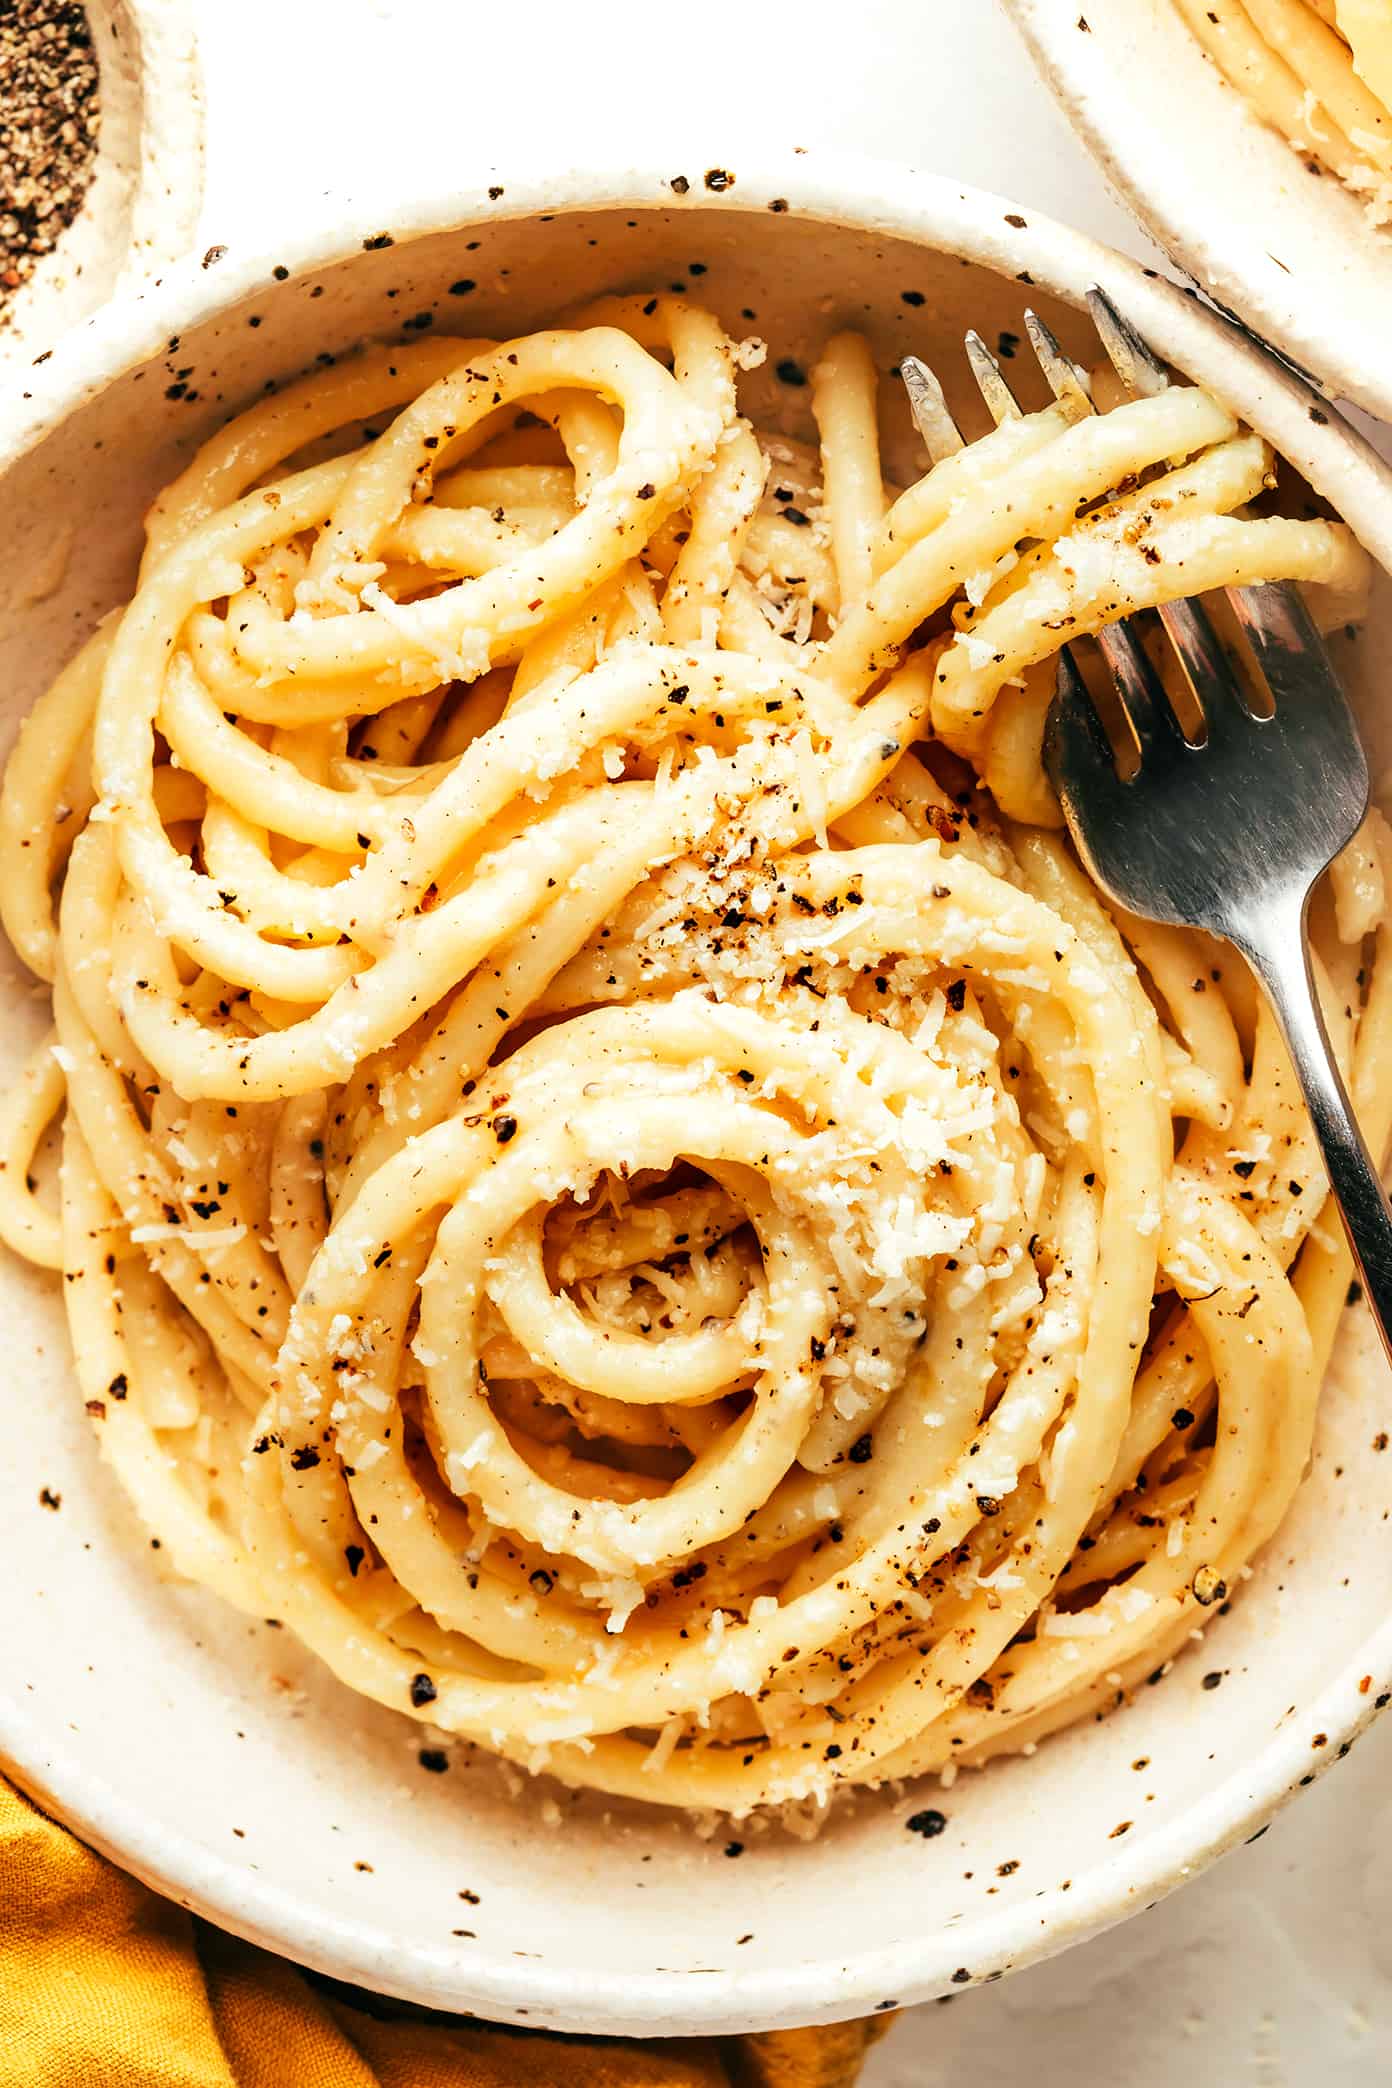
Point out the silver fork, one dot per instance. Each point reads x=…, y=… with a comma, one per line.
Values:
x=1230, y=836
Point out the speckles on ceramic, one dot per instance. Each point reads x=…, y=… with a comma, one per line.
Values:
x=210, y=1752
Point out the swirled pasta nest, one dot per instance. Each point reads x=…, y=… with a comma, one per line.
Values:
x=616, y=1175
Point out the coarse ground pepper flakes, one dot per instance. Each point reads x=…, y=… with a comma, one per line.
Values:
x=49, y=118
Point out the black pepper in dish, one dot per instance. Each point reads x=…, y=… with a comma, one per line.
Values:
x=49, y=117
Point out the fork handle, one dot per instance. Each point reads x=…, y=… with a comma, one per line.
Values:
x=1277, y=948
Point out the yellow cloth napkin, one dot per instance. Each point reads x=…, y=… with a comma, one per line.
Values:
x=103, y=1984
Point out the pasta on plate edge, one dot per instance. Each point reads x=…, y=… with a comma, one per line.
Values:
x=1319, y=72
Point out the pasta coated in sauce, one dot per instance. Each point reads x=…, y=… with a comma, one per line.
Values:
x=616, y=1175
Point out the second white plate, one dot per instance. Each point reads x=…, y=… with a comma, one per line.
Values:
x=1288, y=250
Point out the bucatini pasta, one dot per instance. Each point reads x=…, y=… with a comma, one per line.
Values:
x=1318, y=71
x=615, y=1174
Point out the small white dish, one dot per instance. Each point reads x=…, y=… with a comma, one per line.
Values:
x=141, y=208
x=1288, y=249
x=207, y=1753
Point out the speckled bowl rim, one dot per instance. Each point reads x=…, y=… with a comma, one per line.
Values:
x=878, y=200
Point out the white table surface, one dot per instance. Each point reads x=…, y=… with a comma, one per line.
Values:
x=1274, y=1970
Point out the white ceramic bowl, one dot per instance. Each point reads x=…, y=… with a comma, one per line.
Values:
x=1288, y=249
x=204, y=1752
x=147, y=183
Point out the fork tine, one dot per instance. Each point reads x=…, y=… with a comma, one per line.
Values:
x=1140, y=689
x=1273, y=613
x=1078, y=757
x=1310, y=702
x=1001, y=402
x=1134, y=360
x=1065, y=380
x=939, y=432
x=1288, y=649
x=1206, y=665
